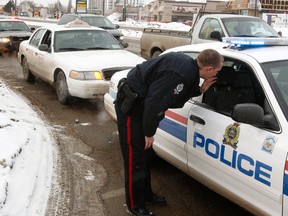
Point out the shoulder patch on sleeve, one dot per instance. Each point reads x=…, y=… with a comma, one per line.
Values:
x=178, y=88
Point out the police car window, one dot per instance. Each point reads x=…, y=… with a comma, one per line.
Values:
x=236, y=83
x=37, y=37
x=277, y=75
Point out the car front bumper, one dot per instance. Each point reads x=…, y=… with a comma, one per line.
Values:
x=109, y=106
x=87, y=89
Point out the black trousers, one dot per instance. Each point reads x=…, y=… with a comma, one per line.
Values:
x=136, y=158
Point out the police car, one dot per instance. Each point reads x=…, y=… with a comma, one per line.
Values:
x=76, y=58
x=234, y=137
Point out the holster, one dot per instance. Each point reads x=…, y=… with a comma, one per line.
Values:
x=127, y=95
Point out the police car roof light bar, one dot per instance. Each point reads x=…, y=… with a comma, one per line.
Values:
x=245, y=42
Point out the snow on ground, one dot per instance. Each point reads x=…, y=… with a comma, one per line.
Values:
x=141, y=24
x=25, y=157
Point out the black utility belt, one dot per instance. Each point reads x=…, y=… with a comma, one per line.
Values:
x=129, y=96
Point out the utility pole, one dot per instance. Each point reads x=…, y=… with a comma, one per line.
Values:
x=58, y=14
x=15, y=7
x=255, y=8
x=124, y=11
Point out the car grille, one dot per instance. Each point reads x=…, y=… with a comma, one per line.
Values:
x=19, y=39
x=108, y=73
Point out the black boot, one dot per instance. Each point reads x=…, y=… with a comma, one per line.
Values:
x=157, y=200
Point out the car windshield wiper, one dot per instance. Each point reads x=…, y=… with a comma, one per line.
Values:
x=70, y=49
x=3, y=30
x=245, y=35
x=96, y=48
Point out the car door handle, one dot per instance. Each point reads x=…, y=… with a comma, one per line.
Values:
x=197, y=119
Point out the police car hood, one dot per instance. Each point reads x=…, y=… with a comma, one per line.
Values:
x=100, y=59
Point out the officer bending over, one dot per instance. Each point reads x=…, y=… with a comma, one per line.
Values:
x=167, y=81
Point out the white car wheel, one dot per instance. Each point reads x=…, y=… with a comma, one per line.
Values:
x=28, y=76
x=62, y=88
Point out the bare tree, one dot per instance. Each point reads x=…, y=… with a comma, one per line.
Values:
x=9, y=6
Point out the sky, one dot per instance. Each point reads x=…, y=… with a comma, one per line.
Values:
x=47, y=2
x=43, y=2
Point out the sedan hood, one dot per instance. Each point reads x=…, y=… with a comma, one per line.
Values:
x=15, y=34
x=99, y=60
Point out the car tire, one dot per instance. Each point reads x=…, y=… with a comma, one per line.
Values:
x=62, y=88
x=28, y=76
x=156, y=53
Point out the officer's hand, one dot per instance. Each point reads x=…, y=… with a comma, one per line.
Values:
x=148, y=142
x=207, y=83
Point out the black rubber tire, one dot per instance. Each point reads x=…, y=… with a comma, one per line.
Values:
x=62, y=88
x=156, y=53
x=28, y=76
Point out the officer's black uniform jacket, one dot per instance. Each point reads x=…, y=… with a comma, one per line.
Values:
x=167, y=81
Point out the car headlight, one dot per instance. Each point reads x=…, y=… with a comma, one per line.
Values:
x=86, y=75
x=4, y=40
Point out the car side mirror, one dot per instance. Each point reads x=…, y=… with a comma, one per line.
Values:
x=43, y=47
x=124, y=44
x=32, y=29
x=216, y=35
x=248, y=113
x=117, y=26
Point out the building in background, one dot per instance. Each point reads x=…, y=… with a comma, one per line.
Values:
x=181, y=11
x=103, y=7
x=257, y=7
x=172, y=11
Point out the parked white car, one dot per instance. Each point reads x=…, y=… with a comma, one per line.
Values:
x=234, y=137
x=76, y=58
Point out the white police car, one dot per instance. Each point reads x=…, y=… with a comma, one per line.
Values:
x=234, y=137
x=76, y=58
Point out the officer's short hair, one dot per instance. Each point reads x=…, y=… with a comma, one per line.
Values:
x=209, y=57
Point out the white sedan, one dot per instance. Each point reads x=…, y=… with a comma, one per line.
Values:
x=76, y=58
x=234, y=137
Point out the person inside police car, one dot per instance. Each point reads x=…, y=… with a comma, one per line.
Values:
x=163, y=82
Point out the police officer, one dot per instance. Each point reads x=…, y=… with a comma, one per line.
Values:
x=167, y=81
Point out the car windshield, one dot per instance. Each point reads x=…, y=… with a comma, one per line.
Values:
x=101, y=22
x=277, y=75
x=79, y=40
x=13, y=26
x=248, y=27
